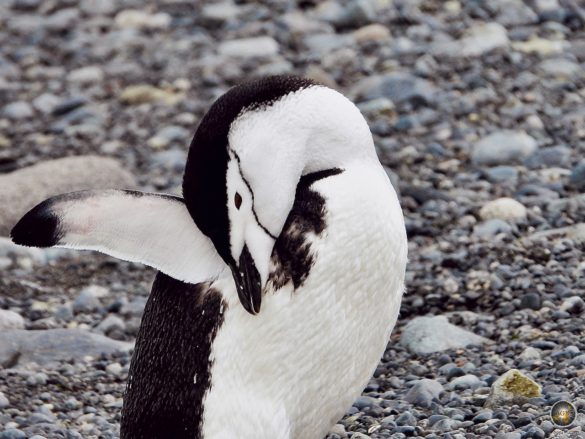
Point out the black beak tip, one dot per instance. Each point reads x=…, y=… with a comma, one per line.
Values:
x=248, y=283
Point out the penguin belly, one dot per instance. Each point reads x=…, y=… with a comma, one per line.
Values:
x=293, y=370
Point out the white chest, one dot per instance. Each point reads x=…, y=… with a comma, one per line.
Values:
x=293, y=370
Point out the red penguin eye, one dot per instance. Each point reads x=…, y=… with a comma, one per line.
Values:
x=238, y=200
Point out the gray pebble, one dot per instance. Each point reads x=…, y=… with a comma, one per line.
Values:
x=18, y=110
x=13, y=433
x=503, y=147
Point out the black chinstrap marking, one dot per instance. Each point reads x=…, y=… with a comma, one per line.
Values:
x=292, y=255
x=252, y=194
x=163, y=399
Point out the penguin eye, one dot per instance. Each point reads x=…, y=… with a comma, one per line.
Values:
x=238, y=200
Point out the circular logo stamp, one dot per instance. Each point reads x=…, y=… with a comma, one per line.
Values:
x=563, y=414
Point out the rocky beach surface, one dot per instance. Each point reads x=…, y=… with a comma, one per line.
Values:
x=477, y=110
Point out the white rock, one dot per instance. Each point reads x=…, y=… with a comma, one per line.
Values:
x=482, y=38
x=98, y=7
x=134, y=18
x=114, y=368
x=46, y=102
x=506, y=209
x=249, y=47
x=478, y=40
x=86, y=75
x=424, y=335
x=10, y=320
x=540, y=46
x=3, y=401
x=530, y=353
x=224, y=11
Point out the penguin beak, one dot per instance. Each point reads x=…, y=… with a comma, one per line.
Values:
x=248, y=282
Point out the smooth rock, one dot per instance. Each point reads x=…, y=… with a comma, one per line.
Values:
x=21, y=190
x=372, y=32
x=18, y=110
x=20, y=347
x=500, y=174
x=10, y=320
x=46, y=103
x=540, y=46
x=398, y=87
x=86, y=301
x=134, y=18
x=555, y=156
x=425, y=335
x=355, y=13
x=12, y=433
x=111, y=323
x=491, y=228
x=61, y=20
x=323, y=43
x=513, y=387
x=573, y=305
x=86, y=75
x=114, y=368
x=144, y=93
x=98, y=7
x=516, y=13
x=249, y=47
x=465, y=382
x=560, y=68
x=575, y=233
x=476, y=41
x=423, y=392
x=167, y=135
x=506, y=209
x=503, y=147
x=220, y=12
x=530, y=354
x=4, y=402
x=531, y=301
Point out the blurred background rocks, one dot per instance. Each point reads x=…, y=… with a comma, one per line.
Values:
x=477, y=112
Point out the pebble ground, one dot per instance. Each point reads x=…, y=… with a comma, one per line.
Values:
x=469, y=102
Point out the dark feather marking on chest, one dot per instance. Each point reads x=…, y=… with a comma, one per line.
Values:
x=163, y=400
x=292, y=256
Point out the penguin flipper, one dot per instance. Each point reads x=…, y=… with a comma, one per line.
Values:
x=154, y=229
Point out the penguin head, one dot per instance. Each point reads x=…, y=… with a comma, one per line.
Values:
x=247, y=157
x=237, y=187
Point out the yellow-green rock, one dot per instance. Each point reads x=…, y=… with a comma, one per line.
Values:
x=144, y=93
x=513, y=387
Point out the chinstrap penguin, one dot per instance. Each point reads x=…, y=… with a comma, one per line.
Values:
x=281, y=270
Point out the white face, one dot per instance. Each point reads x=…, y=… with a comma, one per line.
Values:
x=246, y=228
